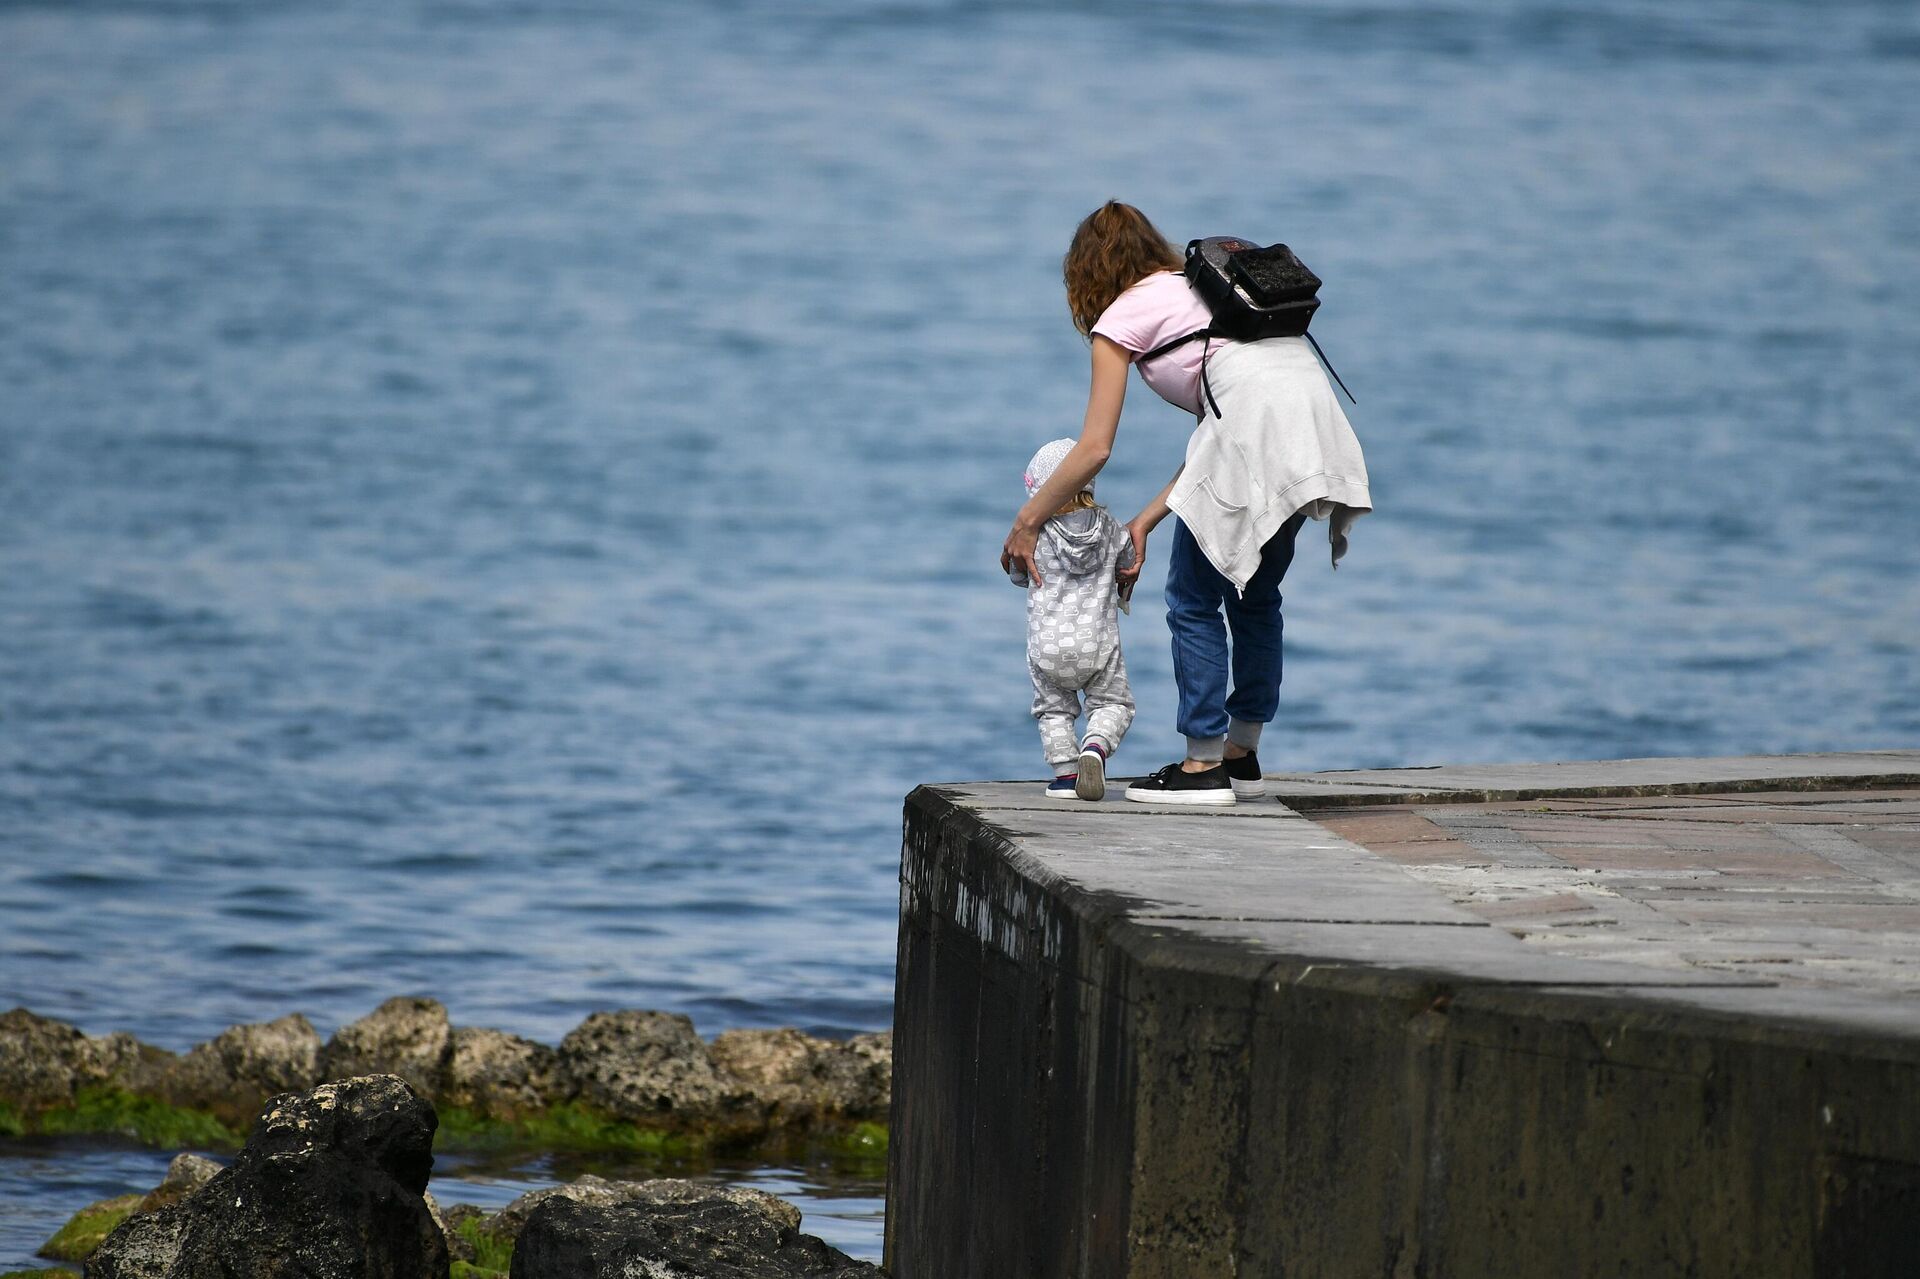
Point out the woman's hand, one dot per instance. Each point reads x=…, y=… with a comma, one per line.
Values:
x=1142, y=524
x=1021, y=544
x=1137, y=529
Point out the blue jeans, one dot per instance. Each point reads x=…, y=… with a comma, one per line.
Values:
x=1197, y=595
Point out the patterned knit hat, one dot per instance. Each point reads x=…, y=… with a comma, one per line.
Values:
x=1045, y=462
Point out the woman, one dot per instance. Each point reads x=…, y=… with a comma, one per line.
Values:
x=1279, y=451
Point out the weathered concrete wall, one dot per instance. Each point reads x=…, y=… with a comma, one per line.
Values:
x=1137, y=1042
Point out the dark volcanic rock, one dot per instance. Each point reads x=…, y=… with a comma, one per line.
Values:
x=499, y=1075
x=407, y=1036
x=147, y=1246
x=644, y=1065
x=329, y=1186
x=698, y=1236
x=599, y=1192
x=233, y=1074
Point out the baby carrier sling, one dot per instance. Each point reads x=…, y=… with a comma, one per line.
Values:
x=1251, y=293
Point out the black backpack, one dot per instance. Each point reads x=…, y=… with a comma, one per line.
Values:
x=1252, y=292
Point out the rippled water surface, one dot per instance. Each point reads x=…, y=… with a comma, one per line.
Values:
x=499, y=500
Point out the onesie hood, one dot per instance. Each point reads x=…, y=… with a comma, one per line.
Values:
x=1079, y=538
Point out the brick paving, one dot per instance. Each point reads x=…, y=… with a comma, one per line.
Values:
x=1810, y=887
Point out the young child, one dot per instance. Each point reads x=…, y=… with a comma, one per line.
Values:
x=1073, y=634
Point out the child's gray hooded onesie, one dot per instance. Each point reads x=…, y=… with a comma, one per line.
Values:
x=1073, y=632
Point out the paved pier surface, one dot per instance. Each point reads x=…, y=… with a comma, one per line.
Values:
x=1634, y=1017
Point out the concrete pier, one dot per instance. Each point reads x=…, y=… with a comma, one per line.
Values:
x=1639, y=1017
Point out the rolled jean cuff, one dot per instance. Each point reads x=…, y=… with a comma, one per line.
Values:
x=1207, y=750
x=1244, y=734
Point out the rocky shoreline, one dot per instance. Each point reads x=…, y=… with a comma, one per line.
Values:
x=331, y=1184
x=625, y=1080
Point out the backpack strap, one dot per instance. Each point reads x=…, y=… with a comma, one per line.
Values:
x=1329, y=363
x=1206, y=386
x=1164, y=347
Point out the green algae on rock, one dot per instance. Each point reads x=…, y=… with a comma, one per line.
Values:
x=568, y=1127
x=105, y=1111
x=865, y=1138
x=83, y=1232
x=565, y=1128
x=623, y=1082
x=492, y=1250
x=460, y=1270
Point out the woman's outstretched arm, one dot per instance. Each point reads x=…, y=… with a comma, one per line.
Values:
x=1105, y=393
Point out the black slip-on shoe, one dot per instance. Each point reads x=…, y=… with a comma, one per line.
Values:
x=1244, y=773
x=1062, y=787
x=1174, y=785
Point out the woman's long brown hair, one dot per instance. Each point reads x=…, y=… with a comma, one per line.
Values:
x=1114, y=248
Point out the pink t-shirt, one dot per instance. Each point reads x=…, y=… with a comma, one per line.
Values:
x=1159, y=309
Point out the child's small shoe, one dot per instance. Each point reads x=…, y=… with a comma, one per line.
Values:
x=1092, y=782
x=1062, y=787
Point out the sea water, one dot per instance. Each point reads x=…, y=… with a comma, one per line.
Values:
x=499, y=499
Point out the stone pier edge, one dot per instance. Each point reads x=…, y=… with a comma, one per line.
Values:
x=1825, y=1166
